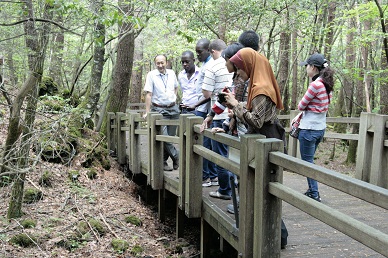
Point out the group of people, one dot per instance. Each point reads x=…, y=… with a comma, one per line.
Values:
x=236, y=92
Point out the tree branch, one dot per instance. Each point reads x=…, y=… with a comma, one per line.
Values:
x=40, y=20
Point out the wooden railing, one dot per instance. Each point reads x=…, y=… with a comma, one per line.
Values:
x=259, y=163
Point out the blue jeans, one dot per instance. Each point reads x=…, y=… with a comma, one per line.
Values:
x=223, y=174
x=308, y=141
x=208, y=167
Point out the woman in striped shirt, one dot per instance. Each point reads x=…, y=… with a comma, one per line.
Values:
x=314, y=104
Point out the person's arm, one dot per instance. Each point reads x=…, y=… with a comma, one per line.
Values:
x=147, y=103
x=261, y=106
x=200, y=102
x=207, y=121
x=310, y=94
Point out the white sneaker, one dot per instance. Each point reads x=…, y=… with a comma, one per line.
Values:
x=206, y=183
x=214, y=181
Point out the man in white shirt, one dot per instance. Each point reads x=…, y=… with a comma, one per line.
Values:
x=216, y=79
x=187, y=79
x=161, y=89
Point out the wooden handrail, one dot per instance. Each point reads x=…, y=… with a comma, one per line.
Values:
x=259, y=163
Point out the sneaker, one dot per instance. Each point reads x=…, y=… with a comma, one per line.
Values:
x=206, y=183
x=317, y=198
x=214, y=181
x=217, y=194
x=167, y=167
x=230, y=208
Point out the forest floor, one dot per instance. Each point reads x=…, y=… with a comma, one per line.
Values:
x=109, y=199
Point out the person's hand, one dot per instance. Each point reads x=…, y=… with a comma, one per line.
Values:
x=145, y=115
x=206, y=123
x=190, y=108
x=230, y=99
x=217, y=130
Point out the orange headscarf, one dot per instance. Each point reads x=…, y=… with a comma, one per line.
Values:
x=262, y=79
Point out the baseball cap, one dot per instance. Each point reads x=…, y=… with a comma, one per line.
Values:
x=315, y=59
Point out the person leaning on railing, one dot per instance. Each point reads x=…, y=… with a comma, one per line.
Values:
x=260, y=111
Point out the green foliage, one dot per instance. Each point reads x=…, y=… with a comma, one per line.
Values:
x=92, y=173
x=48, y=87
x=23, y=240
x=53, y=104
x=133, y=220
x=137, y=250
x=32, y=195
x=119, y=245
x=5, y=181
x=73, y=175
x=28, y=223
x=97, y=226
x=72, y=243
x=45, y=179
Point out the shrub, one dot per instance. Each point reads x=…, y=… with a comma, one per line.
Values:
x=119, y=245
x=32, y=195
x=23, y=240
x=133, y=220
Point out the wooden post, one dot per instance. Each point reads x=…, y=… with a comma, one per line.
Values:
x=247, y=185
x=134, y=146
x=110, y=133
x=182, y=160
x=364, y=147
x=193, y=187
x=121, y=142
x=268, y=208
x=180, y=221
x=206, y=233
x=293, y=143
x=378, y=171
x=161, y=205
x=155, y=153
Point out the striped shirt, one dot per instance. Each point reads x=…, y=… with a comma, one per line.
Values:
x=216, y=79
x=316, y=98
x=315, y=104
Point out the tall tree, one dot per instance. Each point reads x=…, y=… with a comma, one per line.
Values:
x=94, y=87
x=37, y=43
x=124, y=61
x=384, y=62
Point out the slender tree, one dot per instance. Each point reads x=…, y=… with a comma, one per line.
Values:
x=38, y=45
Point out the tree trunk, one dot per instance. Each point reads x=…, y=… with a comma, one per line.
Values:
x=123, y=68
x=38, y=45
x=343, y=107
x=360, y=90
x=223, y=21
x=12, y=72
x=57, y=47
x=330, y=33
x=137, y=74
x=93, y=95
x=284, y=71
x=294, y=91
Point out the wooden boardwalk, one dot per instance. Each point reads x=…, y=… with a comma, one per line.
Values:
x=309, y=237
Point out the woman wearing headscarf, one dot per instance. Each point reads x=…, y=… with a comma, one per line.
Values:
x=260, y=110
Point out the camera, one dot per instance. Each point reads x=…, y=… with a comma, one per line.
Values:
x=221, y=98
